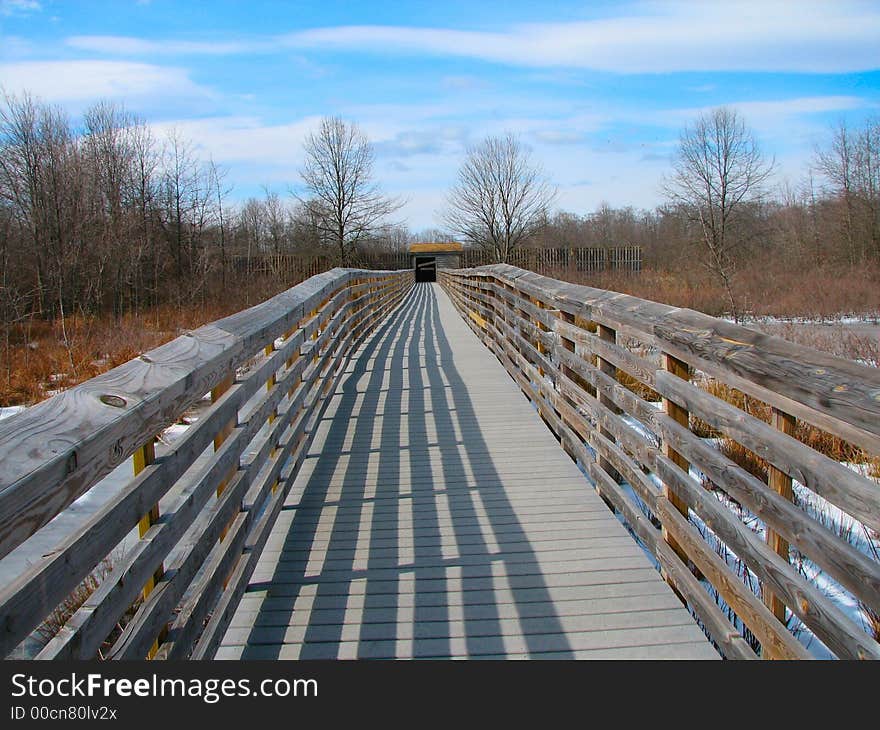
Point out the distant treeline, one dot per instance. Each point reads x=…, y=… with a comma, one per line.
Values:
x=107, y=217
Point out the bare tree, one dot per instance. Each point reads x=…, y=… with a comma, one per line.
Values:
x=501, y=198
x=342, y=197
x=851, y=167
x=186, y=208
x=275, y=220
x=216, y=176
x=718, y=171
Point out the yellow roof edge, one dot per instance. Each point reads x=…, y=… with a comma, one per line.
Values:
x=435, y=247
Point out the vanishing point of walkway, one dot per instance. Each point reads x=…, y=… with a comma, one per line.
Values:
x=436, y=516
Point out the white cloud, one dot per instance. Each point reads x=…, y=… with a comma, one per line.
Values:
x=129, y=46
x=772, y=109
x=785, y=120
x=661, y=37
x=242, y=139
x=69, y=81
x=19, y=7
x=645, y=37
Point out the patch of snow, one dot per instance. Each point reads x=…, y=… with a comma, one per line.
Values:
x=640, y=428
x=9, y=411
x=862, y=318
x=174, y=432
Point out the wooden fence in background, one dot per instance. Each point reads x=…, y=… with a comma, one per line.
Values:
x=548, y=260
x=296, y=267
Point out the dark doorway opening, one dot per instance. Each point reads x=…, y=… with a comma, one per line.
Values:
x=426, y=268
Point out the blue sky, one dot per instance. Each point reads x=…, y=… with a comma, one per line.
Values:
x=598, y=90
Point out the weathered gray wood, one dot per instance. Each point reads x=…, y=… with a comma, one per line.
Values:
x=295, y=448
x=520, y=345
x=731, y=644
x=839, y=485
x=88, y=628
x=763, y=624
x=29, y=598
x=814, y=608
x=836, y=394
x=143, y=628
x=55, y=451
x=843, y=562
x=437, y=493
x=48, y=581
x=207, y=599
x=639, y=368
x=163, y=384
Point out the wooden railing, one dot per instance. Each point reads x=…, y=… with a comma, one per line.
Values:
x=204, y=507
x=617, y=380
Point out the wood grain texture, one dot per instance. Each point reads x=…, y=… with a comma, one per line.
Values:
x=429, y=549
x=390, y=491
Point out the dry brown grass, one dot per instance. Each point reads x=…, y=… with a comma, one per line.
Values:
x=62, y=613
x=643, y=391
x=817, y=439
x=777, y=289
x=872, y=618
x=44, y=357
x=763, y=288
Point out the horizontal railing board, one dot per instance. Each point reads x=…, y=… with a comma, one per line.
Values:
x=53, y=452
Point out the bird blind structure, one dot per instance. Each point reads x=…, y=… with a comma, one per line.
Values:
x=427, y=258
x=496, y=465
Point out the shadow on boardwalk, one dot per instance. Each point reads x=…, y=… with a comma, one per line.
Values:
x=409, y=564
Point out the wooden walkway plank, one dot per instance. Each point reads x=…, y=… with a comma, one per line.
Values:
x=437, y=516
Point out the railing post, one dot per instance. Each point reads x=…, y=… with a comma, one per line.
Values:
x=570, y=346
x=315, y=334
x=607, y=334
x=143, y=457
x=223, y=434
x=680, y=415
x=779, y=482
x=541, y=328
x=216, y=393
x=270, y=384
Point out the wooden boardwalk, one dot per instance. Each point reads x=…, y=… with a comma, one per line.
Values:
x=436, y=516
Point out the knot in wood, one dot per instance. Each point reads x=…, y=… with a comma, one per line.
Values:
x=116, y=452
